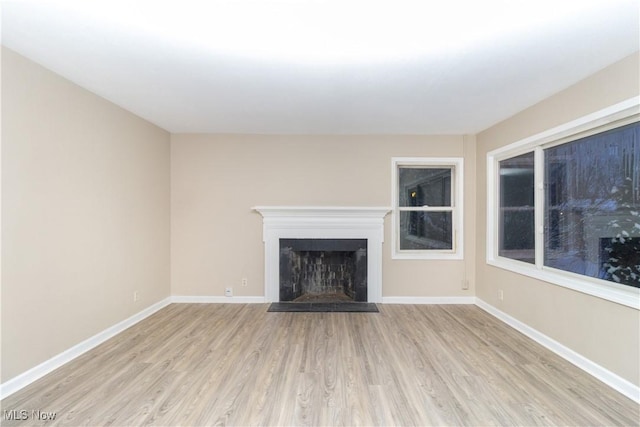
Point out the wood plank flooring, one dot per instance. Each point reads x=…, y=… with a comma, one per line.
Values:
x=232, y=364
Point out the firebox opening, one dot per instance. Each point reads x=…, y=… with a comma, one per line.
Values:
x=323, y=270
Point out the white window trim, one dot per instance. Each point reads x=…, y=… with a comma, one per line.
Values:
x=457, y=163
x=610, y=291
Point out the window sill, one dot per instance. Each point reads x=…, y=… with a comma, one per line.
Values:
x=620, y=294
x=430, y=255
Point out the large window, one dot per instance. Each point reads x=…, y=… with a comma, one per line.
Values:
x=592, y=200
x=565, y=205
x=427, y=206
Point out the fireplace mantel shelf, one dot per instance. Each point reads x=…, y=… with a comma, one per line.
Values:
x=323, y=222
x=323, y=211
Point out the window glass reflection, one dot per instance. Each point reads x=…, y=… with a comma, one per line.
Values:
x=425, y=230
x=592, y=200
x=517, y=212
x=424, y=187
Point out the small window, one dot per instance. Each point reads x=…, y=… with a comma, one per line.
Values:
x=427, y=205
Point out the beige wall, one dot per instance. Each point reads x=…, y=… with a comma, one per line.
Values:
x=85, y=214
x=602, y=331
x=216, y=239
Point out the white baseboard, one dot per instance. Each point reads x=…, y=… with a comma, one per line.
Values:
x=428, y=300
x=609, y=378
x=260, y=300
x=216, y=300
x=13, y=385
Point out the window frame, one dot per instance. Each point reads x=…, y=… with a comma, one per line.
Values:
x=618, y=115
x=456, y=164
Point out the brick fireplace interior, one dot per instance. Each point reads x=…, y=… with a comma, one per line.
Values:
x=323, y=270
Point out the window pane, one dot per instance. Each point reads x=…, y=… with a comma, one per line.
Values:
x=425, y=230
x=592, y=203
x=420, y=187
x=517, y=219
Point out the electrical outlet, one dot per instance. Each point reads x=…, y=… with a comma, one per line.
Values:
x=228, y=292
x=135, y=296
x=245, y=282
x=500, y=294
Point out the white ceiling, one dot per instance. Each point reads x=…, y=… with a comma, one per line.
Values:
x=323, y=66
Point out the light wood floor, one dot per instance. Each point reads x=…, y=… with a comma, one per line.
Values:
x=230, y=364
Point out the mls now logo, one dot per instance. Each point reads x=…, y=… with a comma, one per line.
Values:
x=23, y=415
x=16, y=415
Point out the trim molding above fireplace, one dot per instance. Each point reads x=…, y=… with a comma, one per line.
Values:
x=325, y=222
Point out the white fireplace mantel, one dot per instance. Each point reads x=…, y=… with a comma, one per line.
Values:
x=322, y=222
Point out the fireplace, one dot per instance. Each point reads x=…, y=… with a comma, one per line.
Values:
x=323, y=270
x=326, y=226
